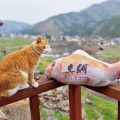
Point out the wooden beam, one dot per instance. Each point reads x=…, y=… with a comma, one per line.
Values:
x=44, y=86
x=34, y=107
x=112, y=90
x=75, y=102
x=118, y=110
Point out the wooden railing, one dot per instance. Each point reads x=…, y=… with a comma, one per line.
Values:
x=113, y=91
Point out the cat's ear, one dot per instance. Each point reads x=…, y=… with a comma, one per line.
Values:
x=38, y=40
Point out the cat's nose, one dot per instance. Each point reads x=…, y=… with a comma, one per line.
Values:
x=46, y=51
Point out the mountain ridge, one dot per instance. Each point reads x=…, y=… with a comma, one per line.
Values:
x=110, y=28
x=87, y=22
x=11, y=26
x=76, y=23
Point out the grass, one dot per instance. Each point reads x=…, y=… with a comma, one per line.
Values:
x=100, y=108
x=110, y=57
x=12, y=44
x=91, y=113
x=111, y=53
x=56, y=114
x=44, y=63
x=43, y=113
x=113, y=50
x=59, y=116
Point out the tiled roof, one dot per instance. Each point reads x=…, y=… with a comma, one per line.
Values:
x=92, y=49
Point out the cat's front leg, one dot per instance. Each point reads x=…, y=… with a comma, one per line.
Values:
x=32, y=80
x=35, y=84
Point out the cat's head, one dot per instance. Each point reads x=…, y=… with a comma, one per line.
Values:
x=41, y=45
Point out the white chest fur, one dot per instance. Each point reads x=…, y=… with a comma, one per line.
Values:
x=25, y=74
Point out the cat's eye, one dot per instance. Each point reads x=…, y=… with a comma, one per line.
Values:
x=44, y=47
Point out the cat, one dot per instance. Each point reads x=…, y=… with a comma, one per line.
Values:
x=17, y=68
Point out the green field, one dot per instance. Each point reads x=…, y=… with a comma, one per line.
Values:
x=12, y=44
x=112, y=53
x=100, y=108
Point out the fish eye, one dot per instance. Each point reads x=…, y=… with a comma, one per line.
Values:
x=53, y=64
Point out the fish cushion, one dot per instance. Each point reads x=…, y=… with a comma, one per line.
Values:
x=80, y=68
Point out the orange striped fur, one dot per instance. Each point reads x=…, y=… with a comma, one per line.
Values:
x=17, y=68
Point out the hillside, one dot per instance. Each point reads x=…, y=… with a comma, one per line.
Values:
x=108, y=28
x=12, y=27
x=76, y=23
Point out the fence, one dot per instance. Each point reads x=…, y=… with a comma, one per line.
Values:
x=113, y=91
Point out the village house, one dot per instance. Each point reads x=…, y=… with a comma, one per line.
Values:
x=96, y=50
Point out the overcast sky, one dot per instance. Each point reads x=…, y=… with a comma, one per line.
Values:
x=32, y=11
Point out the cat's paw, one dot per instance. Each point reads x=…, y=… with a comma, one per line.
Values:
x=24, y=86
x=35, y=85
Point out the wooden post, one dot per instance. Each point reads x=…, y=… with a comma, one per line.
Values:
x=34, y=107
x=75, y=102
x=118, y=110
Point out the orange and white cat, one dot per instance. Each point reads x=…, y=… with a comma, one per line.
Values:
x=17, y=68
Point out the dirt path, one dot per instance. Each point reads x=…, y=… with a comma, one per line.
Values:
x=18, y=110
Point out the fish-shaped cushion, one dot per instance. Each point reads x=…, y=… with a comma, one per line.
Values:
x=81, y=68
